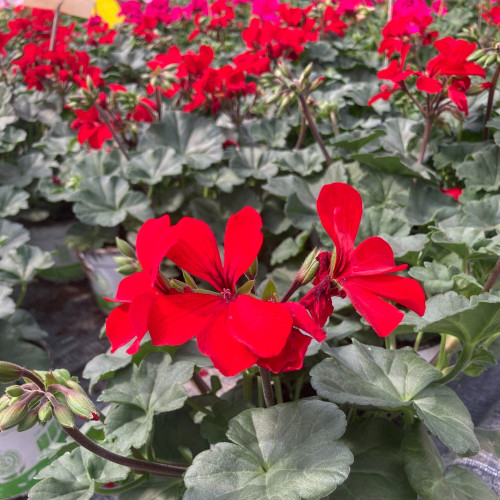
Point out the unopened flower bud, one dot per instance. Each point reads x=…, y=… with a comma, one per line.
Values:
x=4, y=402
x=45, y=413
x=270, y=291
x=81, y=405
x=9, y=372
x=28, y=421
x=13, y=414
x=309, y=268
x=125, y=248
x=14, y=391
x=63, y=415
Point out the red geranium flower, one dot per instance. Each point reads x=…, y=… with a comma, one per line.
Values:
x=138, y=292
x=91, y=128
x=363, y=272
x=234, y=330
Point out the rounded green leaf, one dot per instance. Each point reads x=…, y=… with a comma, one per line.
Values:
x=153, y=165
x=288, y=451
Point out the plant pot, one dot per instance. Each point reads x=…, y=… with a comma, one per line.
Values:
x=19, y=452
x=100, y=268
x=51, y=238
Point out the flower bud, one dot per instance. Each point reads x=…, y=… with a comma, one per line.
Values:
x=63, y=415
x=4, y=402
x=270, y=291
x=45, y=413
x=13, y=414
x=81, y=405
x=9, y=372
x=14, y=391
x=309, y=268
x=28, y=421
x=125, y=248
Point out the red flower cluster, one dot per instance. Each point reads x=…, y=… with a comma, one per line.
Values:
x=221, y=15
x=236, y=330
x=362, y=273
x=98, y=32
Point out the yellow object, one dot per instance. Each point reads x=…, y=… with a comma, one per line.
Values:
x=108, y=10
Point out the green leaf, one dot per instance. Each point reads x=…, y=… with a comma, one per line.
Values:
x=106, y=201
x=215, y=425
x=10, y=137
x=372, y=478
x=321, y=51
x=12, y=236
x=399, y=133
x=472, y=321
x=447, y=417
x=15, y=349
x=435, y=277
x=7, y=305
x=467, y=242
x=356, y=139
x=378, y=220
x=389, y=164
x=22, y=264
x=377, y=188
x=82, y=237
x=222, y=178
x=128, y=426
x=372, y=376
x=407, y=248
x=258, y=163
x=483, y=171
x=75, y=475
x=105, y=366
x=489, y=439
x=156, y=489
x=28, y=167
x=288, y=451
x=99, y=163
x=303, y=162
x=12, y=200
x=174, y=432
x=482, y=214
x=288, y=248
x=302, y=216
x=272, y=132
x=424, y=469
x=196, y=140
x=153, y=165
x=7, y=113
x=427, y=203
x=454, y=154
x=27, y=325
x=154, y=386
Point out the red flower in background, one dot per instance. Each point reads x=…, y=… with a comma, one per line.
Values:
x=91, y=128
x=361, y=273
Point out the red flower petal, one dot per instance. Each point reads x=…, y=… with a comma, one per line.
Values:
x=242, y=243
x=429, y=85
x=262, y=326
x=119, y=329
x=196, y=251
x=138, y=313
x=373, y=256
x=131, y=286
x=339, y=208
x=302, y=320
x=150, y=233
x=381, y=315
x=227, y=354
x=404, y=291
x=175, y=319
x=292, y=355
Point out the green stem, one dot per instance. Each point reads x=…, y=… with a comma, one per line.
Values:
x=489, y=105
x=121, y=489
x=277, y=388
x=492, y=339
x=247, y=385
x=22, y=293
x=298, y=387
x=150, y=191
x=409, y=420
x=492, y=278
x=260, y=395
x=390, y=342
x=462, y=362
x=267, y=388
x=425, y=139
x=314, y=129
x=155, y=468
x=442, y=353
x=420, y=334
